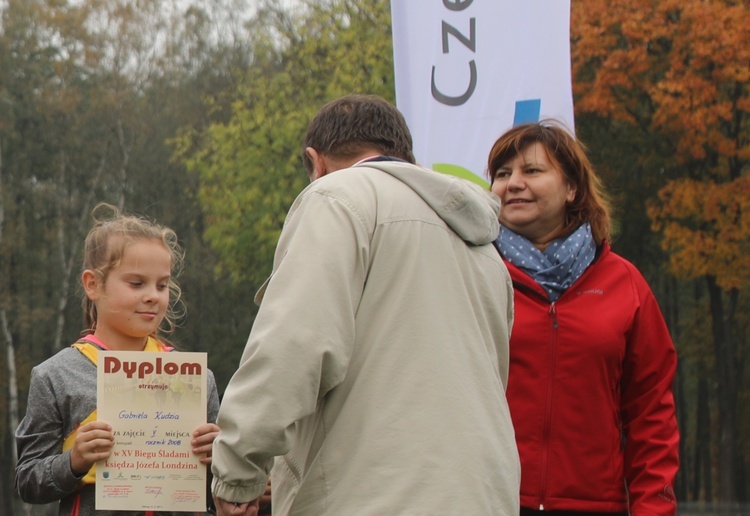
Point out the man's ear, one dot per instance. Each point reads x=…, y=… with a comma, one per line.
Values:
x=318, y=163
x=90, y=281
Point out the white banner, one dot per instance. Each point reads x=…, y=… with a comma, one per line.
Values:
x=468, y=70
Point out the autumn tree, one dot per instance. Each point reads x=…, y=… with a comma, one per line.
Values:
x=677, y=71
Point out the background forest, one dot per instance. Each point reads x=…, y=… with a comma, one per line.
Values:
x=193, y=114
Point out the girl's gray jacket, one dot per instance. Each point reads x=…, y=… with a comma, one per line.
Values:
x=62, y=393
x=377, y=364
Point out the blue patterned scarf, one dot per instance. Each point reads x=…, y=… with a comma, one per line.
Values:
x=559, y=266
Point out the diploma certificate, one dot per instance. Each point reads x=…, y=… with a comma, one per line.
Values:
x=154, y=402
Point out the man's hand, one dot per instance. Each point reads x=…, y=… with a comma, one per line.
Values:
x=224, y=508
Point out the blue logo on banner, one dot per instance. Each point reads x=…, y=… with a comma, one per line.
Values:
x=527, y=111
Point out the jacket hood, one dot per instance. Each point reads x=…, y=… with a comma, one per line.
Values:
x=469, y=210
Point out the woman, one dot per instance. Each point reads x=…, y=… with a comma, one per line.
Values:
x=592, y=362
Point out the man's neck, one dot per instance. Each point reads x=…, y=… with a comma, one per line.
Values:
x=366, y=158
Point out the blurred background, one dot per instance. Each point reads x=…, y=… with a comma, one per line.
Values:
x=192, y=113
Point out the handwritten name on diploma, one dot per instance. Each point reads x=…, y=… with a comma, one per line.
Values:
x=125, y=414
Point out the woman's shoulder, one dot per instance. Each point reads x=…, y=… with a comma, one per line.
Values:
x=613, y=263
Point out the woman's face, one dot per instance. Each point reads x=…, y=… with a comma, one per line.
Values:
x=534, y=194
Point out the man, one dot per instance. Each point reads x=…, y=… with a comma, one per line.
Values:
x=375, y=370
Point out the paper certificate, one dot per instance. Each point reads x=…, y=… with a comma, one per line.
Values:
x=154, y=402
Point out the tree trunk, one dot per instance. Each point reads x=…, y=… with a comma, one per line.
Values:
x=672, y=316
x=727, y=389
x=681, y=483
x=10, y=357
x=702, y=461
x=123, y=170
x=66, y=266
x=68, y=252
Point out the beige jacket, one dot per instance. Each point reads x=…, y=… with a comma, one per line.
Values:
x=377, y=364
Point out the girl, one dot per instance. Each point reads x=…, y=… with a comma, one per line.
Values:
x=127, y=279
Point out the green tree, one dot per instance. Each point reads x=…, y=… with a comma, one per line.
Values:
x=250, y=167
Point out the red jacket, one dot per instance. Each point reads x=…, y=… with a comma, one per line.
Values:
x=590, y=393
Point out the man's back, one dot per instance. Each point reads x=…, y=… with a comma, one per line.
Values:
x=375, y=371
x=412, y=327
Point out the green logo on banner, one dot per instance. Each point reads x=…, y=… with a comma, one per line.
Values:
x=455, y=170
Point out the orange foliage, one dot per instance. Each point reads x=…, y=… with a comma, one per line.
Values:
x=679, y=69
x=705, y=227
x=680, y=65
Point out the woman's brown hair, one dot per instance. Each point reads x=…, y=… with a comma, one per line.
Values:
x=568, y=154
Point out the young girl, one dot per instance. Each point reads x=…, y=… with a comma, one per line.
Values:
x=128, y=264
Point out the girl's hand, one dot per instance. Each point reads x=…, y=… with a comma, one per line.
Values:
x=93, y=442
x=202, y=442
x=265, y=498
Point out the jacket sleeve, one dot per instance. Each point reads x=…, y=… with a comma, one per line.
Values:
x=648, y=409
x=43, y=473
x=300, y=343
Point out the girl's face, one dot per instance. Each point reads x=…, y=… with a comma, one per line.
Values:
x=132, y=301
x=534, y=195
